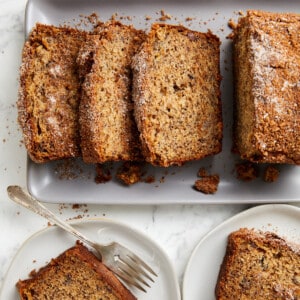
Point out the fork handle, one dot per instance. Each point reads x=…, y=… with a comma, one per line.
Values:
x=18, y=195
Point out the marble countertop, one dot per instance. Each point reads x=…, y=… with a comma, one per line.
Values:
x=176, y=228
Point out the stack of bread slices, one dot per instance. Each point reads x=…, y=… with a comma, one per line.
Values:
x=120, y=94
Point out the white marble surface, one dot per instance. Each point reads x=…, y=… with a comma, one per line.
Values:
x=177, y=228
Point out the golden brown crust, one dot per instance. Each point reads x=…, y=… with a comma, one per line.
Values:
x=75, y=274
x=259, y=266
x=49, y=93
x=107, y=126
x=267, y=71
x=176, y=91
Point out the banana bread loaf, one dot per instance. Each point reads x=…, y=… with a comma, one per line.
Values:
x=107, y=126
x=75, y=274
x=259, y=265
x=50, y=93
x=267, y=87
x=176, y=91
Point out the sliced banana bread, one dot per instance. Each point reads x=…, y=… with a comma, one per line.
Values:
x=259, y=265
x=107, y=126
x=176, y=91
x=267, y=87
x=75, y=274
x=50, y=93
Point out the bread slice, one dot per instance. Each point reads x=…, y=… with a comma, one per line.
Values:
x=50, y=93
x=267, y=87
x=176, y=91
x=75, y=274
x=259, y=265
x=108, y=130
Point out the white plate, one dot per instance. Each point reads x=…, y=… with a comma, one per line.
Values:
x=203, y=267
x=172, y=185
x=50, y=242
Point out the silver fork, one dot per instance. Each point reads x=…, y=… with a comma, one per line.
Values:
x=123, y=262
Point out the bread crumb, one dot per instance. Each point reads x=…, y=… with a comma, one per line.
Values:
x=79, y=206
x=232, y=24
x=92, y=19
x=207, y=184
x=162, y=179
x=103, y=174
x=33, y=273
x=246, y=171
x=149, y=179
x=271, y=174
x=164, y=16
x=202, y=172
x=189, y=19
x=130, y=173
x=78, y=217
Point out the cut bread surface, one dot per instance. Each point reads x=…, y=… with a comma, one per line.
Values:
x=176, y=92
x=75, y=274
x=107, y=126
x=259, y=265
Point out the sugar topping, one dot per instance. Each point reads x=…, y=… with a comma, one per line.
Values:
x=276, y=72
x=56, y=70
x=48, y=96
x=265, y=57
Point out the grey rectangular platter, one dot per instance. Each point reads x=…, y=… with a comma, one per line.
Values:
x=73, y=181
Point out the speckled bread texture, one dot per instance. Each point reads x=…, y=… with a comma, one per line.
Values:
x=259, y=265
x=75, y=274
x=267, y=86
x=50, y=93
x=176, y=91
x=108, y=129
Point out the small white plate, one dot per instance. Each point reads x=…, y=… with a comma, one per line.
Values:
x=202, y=270
x=50, y=242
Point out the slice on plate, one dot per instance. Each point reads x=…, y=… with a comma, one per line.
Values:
x=75, y=274
x=259, y=265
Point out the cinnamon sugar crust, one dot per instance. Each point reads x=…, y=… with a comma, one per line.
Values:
x=49, y=93
x=107, y=126
x=267, y=71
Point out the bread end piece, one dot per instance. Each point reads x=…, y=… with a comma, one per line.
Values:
x=49, y=93
x=266, y=55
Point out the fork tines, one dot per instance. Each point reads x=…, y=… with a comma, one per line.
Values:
x=134, y=271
